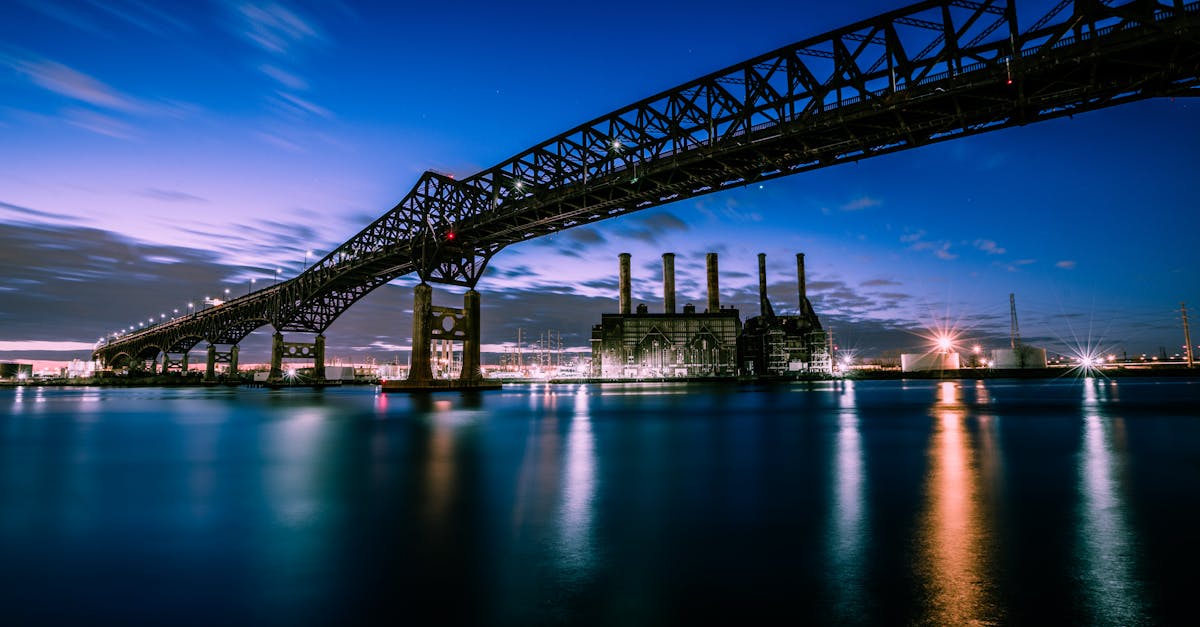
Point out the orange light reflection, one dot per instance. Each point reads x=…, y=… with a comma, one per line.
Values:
x=955, y=540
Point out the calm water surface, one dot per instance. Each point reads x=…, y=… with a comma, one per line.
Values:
x=890, y=502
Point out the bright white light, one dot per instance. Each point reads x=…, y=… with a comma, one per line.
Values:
x=616, y=144
x=945, y=343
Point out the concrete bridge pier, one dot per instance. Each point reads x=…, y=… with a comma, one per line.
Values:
x=420, y=368
x=221, y=357
x=180, y=364
x=281, y=350
x=472, y=370
x=430, y=323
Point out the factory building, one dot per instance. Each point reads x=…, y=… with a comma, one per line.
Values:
x=784, y=345
x=637, y=345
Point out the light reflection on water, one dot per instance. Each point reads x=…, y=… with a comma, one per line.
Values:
x=1105, y=543
x=848, y=508
x=955, y=534
x=835, y=503
x=578, y=492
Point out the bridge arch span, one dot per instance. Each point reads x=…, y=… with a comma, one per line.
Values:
x=929, y=72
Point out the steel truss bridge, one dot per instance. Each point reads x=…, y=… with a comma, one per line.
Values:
x=926, y=73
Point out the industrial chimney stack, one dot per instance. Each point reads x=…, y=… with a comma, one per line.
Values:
x=624, y=284
x=763, y=307
x=805, y=306
x=714, y=292
x=668, y=283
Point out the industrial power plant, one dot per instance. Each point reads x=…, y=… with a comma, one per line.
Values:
x=637, y=344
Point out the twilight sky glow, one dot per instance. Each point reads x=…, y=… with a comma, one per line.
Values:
x=151, y=155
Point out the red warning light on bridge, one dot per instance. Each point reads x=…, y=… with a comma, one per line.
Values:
x=450, y=235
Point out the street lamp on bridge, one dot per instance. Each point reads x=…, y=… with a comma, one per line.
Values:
x=277, y=271
x=307, y=254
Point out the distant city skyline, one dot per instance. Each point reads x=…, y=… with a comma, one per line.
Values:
x=154, y=158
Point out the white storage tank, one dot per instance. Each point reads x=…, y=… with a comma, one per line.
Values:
x=1021, y=357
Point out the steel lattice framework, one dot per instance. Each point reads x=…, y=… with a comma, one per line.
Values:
x=926, y=73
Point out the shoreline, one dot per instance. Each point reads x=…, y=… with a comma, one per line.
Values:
x=887, y=375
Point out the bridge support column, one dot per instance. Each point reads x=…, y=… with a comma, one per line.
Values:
x=210, y=370
x=420, y=370
x=221, y=357
x=281, y=350
x=471, y=368
x=319, y=358
x=276, y=357
x=180, y=364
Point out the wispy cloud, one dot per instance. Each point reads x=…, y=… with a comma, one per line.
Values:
x=98, y=123
x=879, y=283
x=279, y=142
x=729, y=209
x=863, y=202
x=276, y=28
x=648, y=228
x=170, y=195
x=34, y=213
x=141, y=15
x=1066, y=264
x=1019, y=263
x=989, y=247
x=940, y=248
x=284, y=77
x=65, y=81
x=25, y=346
x=299, y=105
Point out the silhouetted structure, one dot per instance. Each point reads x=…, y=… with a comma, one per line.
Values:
x=643, y=345
x=781, y=345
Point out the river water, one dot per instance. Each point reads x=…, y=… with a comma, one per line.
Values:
x=873, y=502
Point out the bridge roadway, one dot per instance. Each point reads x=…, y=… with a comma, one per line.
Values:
x=926, y=73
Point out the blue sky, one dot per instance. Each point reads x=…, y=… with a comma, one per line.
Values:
x=152, y=155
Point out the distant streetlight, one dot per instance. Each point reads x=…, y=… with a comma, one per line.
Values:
x=277, y=271
x=307, y=254
x=251, y=288
x=227, y=293
x=190, y=307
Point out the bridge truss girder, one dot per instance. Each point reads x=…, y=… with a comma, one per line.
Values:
x=929, y=72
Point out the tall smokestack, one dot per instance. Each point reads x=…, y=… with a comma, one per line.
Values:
x=624, y=284
x=714, y=292
x=762, y=285
x=669, y=283
x=805, y=307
